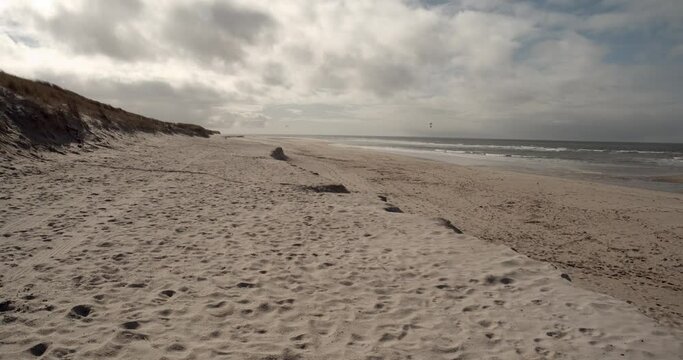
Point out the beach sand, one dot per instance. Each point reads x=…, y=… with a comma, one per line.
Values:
x=183, y=248
x=622, y=241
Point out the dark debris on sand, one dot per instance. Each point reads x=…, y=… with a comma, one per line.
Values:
x=449, y=224
x=6, y=306
x=279, y=154
x=331, y=188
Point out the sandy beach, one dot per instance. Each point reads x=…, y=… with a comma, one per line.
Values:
x=622, y=241
x=171, y=247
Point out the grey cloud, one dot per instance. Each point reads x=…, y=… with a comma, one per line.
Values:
x=376, y=75
x=308, y=111
x=157, y=99
x=99, y=27
x=190, y=103
x=274, y=75
x=255, y=121
x=385, y=79
x=571, y=125
x=216, y=31
x=332, y=75
x=299, y=54
x=25, y=40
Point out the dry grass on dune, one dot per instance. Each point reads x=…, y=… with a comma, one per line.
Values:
x=40, y=113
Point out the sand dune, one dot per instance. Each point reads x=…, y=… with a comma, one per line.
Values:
x=40, y=116
x=186, y=248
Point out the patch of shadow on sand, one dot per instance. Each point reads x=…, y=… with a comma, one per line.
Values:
x=80, y=311
x=6, y=306
x=449, y=224
x=329, y=188
x=38, y=349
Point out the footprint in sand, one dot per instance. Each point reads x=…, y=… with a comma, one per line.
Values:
x=245, y=285
x=131, y=325
x=80, y=311
x=38, y=349
x=126, y=336
x=470, y=308
x=176, y=347
x=492, y=279
x=300, y=341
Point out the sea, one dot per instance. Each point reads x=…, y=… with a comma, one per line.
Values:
x=654, y=166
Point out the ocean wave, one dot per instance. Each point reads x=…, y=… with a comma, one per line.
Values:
x=512, y=147
x=641, y=152
x=460, y=145
x=592, y=150
x=432, y=151
x=509, y=149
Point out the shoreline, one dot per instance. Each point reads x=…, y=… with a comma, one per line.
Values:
x=663, y=183
x=177, y=247
x=609, y=237
x=629, y=175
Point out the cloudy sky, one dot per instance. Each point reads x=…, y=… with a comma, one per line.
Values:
x=553, y=69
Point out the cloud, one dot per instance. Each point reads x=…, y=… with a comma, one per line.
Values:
x=215, y=31
x=486, y=68
x=157, y=99
x=98, y=27
x=274, y=74
x=386, y=78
